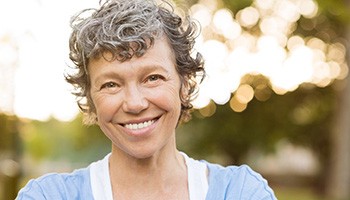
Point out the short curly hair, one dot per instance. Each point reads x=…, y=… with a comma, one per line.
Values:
x=127, y=28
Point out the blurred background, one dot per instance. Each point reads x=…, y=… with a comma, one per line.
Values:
x=277, y=94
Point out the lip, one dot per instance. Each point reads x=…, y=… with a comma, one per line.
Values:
x=142, y=131
x=137, y=121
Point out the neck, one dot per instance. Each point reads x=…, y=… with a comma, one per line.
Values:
x=161, y=164
x=158, y=173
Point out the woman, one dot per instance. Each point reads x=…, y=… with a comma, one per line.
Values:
x=135, y=80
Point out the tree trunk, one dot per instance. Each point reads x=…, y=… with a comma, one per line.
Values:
x=338, y=186
x=9, y=152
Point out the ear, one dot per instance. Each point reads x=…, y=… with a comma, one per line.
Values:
x=184, y=92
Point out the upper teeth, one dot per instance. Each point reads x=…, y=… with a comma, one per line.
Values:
x=139, y=126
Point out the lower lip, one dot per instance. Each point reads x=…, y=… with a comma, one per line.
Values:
x=143, y=131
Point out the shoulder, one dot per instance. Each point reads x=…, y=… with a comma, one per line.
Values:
x=237, y=182
x=58, y=186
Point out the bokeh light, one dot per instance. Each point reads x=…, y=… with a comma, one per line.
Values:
x=257, y=40
x=260, y=40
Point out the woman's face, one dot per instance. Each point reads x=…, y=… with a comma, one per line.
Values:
x=137, y=101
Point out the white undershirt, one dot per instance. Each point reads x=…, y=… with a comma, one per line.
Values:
x=196, y=172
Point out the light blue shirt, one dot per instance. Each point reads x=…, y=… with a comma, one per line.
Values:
x=226, y=183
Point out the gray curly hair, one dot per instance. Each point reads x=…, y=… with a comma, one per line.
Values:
x=127, y=28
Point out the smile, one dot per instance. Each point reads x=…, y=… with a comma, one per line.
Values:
x=139, y=125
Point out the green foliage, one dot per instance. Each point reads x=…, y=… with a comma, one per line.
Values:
x=237, y=5
x=330, y=23
x=64, y=140
x=335, y=10
x=301, y=193
x=302, y=117
x=8, y=130
x=9, y=150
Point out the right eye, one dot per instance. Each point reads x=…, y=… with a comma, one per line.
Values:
x=108, y=85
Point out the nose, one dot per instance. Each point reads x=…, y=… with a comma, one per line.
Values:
x=134, y=100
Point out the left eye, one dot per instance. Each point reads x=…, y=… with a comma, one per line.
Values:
x=154, y=77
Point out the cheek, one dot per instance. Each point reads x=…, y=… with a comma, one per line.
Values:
x=106, y=107
x=167, y=98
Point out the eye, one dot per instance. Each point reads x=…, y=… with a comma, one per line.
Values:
x=154, y=77
x=108, y=85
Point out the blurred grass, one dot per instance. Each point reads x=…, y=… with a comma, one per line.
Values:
x=287, y=193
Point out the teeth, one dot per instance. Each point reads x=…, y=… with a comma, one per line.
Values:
x=139, y=126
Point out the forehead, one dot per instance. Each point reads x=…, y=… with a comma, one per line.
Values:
x=135, y=50
x=159, y=54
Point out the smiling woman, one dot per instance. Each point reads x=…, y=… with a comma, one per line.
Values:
x=142, y=91
x=134, y=79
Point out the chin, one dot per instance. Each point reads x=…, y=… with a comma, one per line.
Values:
x=141, y=156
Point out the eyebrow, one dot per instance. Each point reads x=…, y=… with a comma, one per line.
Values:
x=114, y=75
